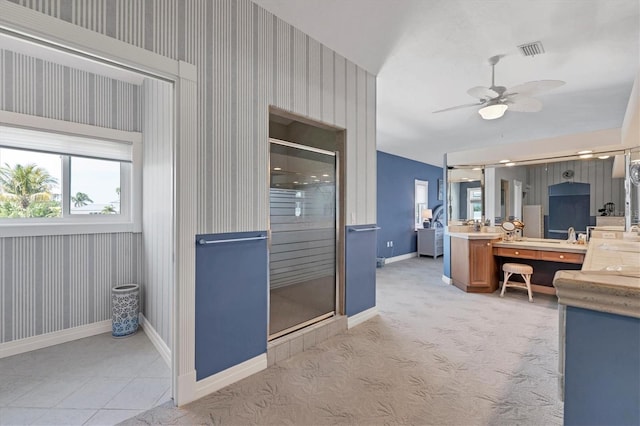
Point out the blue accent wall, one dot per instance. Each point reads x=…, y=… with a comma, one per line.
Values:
x=396, y=192
x=602, y=368
x=231, y=301
x=360, y=268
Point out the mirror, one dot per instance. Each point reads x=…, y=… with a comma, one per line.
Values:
x=634, y=187
x=465, y=195
x=520, y=190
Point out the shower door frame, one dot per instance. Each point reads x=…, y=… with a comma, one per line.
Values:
x=337, y=307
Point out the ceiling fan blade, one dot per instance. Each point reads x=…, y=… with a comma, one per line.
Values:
x=483, y=93
x=458, y=107
x=524, y=104
x=531, y=88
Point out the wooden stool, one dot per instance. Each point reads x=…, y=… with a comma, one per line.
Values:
x=517, y=268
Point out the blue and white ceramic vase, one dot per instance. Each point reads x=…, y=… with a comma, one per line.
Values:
x=125, y=309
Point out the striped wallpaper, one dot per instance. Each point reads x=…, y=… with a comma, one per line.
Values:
x=45, y=89
x=597, y=173
x=157, y=184
x=53, y=283
x=56, y=282
x=247, y=60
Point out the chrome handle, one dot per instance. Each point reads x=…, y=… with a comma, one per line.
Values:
x=561, y=256
x=202, y=241
x=363, y=229
x=517, y=252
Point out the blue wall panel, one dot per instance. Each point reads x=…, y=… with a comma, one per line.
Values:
x=231, y=301
x=360, y=268
x=446, y=249
x=396, y=198
x=602, y=369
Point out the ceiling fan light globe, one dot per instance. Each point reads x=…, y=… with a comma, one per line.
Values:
x=491, y=112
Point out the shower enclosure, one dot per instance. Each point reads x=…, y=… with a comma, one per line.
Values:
x=302, y=256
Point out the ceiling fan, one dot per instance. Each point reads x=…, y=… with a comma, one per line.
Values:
x=496, y=100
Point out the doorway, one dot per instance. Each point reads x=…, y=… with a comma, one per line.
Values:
x=505, y=212
x=302, y=262
x=108, y=108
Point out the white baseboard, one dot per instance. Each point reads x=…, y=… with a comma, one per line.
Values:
x=401, y=257
x=361, y=317
x=185, y=389
x=230, y=375
x=28, y=344
x=155, y=338
x=447, y=280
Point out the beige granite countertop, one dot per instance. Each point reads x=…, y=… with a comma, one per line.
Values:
x=544, y=245
x=609, y=280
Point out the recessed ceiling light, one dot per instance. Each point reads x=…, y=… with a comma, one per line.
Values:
x=504, y=161
x=510, y=164
x=295, y=181
x=603, y=157
x=587, y=151
x=305, y=183
x=277, y=168
x=325, y=175
x=313, y=177
x=316, y=180
x=327, y=181
x=477, y=168
x=586, y=156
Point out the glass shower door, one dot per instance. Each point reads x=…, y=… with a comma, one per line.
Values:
x=302, y=259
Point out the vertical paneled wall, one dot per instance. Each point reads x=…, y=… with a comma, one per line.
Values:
x=247, y=59
x=596, y=172
x=157, y=201
x=52, y=283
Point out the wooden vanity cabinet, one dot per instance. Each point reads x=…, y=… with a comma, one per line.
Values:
x=473, y=266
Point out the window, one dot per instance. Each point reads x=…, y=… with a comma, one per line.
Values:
x=474, y=203
x=421, y=199
x=95, y=186
x=55, y=183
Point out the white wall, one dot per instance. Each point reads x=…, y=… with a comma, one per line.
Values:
x=509, y=174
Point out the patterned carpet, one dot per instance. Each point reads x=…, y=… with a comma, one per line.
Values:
x=434, y=356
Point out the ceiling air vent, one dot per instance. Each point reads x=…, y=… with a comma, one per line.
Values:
x=531, y=49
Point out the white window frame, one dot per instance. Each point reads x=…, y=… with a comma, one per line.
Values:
x=420, y=205
x=471, y=200
x=129, y=219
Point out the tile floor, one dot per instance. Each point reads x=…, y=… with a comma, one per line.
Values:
x=98, y=380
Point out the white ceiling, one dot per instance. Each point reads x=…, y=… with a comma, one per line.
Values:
x=427, y=53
